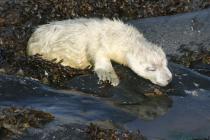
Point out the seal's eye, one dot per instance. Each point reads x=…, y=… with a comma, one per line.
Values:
x=150, y=69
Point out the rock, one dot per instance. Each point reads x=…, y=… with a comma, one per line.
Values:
x=190, y=30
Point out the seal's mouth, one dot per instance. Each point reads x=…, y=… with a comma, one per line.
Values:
x=160, y=84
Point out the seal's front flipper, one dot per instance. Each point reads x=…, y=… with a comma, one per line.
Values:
x=104, y=70
x=109, y=76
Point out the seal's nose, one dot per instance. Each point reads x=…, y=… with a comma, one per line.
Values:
x=169, y=80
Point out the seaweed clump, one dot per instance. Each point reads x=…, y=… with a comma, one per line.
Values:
x=97, y=133
x=123, y=9
x=48, y=72
x=14, y=121
x=198, y=60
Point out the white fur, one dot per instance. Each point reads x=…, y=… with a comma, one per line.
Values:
x=82, y=42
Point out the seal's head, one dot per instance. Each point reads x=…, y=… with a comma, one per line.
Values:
x=150, y=62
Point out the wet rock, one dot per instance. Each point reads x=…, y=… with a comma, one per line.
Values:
x=175, y=33
x=202, y=68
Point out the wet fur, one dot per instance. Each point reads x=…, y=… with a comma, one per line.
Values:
x=82, y=42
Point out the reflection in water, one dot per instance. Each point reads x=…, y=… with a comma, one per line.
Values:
x=128, y=96
x=150, y=108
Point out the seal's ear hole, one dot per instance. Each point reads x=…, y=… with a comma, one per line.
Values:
x=151, y=68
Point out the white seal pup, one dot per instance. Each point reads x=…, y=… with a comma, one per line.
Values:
x=84, y=42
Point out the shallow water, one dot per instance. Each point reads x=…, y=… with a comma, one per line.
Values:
x=187, y=119
x=184, y=112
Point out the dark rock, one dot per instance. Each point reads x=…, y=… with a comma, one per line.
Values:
x=175, y=33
